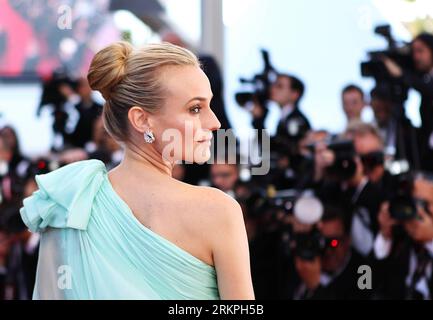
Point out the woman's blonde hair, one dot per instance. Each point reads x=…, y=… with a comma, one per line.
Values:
x=128, y=77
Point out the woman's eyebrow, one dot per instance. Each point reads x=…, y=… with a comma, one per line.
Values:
x=199, y=99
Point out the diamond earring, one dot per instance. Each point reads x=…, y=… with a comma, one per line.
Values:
x=148, y=136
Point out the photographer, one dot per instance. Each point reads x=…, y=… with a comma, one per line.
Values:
x=288, y=165
x=103, y=147
x=17, y=253
x=404, y=247
x=12, y=166
x=316, y=156
x=340, y=177
x=287, y=92
x=264, y=236
x=17, y=163
x=396, y=130
x=73, y=109
x=332, y=273
x=369, y=146
x=4, y=252
x=421, y=79
x=88, y=113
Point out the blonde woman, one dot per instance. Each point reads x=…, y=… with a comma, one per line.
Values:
x=136, y=232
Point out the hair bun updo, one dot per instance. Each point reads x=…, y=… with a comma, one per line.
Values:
x=128, y=77
x=108, y=67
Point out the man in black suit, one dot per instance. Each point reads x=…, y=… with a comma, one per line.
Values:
x=421, y=79
x=354, y=189
x=334, y=273
x=399, y=136
x=287, y=92
x=88, y=113
x=353, y=101
x=4, y=251
x=404, y=249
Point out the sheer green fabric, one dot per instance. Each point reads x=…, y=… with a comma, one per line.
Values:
x=93, y=247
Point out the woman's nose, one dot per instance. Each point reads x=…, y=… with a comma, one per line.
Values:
x=213, y=122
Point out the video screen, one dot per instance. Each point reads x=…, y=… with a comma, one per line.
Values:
x=39, y=36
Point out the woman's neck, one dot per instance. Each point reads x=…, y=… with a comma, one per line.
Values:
x=137, y=159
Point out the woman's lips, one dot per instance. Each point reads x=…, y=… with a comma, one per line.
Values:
x=205, y=141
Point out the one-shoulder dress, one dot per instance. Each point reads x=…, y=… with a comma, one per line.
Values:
x=93, y=247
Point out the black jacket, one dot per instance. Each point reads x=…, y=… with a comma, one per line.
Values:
x=294, y=125
x=423, y=83
x=83, y=132
x=393, y=270
x=289, y=131
x=345, y=285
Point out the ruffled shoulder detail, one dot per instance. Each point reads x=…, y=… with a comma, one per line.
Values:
x=65, y=196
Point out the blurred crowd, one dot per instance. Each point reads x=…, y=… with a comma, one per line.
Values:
x=338, y=216
x=37, y=36
x=79, y=134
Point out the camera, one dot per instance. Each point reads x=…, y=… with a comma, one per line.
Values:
x=302, y=204
x=402, y=205
x=372, y=159
x=375, y=68
x=344, y=166
x=260, y=83
x=308, y=245
x=269, y=201
x=52, y=96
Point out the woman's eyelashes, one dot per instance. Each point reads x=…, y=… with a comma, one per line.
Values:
x=195, y=110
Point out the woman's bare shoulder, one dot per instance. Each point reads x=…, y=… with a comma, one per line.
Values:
x=206, y=204
x=203, y=195
x=222, y=220
x=210, y=215
x=216, y=204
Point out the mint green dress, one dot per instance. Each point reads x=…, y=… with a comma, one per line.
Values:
x=93, y=247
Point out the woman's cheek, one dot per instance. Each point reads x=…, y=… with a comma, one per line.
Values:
x=180, y=135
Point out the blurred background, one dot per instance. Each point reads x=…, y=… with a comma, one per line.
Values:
x=306, y=38
x=344, y=89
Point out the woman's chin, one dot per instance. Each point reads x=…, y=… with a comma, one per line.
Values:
x=202, y=160
x=203, y=156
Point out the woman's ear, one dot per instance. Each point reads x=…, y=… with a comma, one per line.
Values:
x=139, y=119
